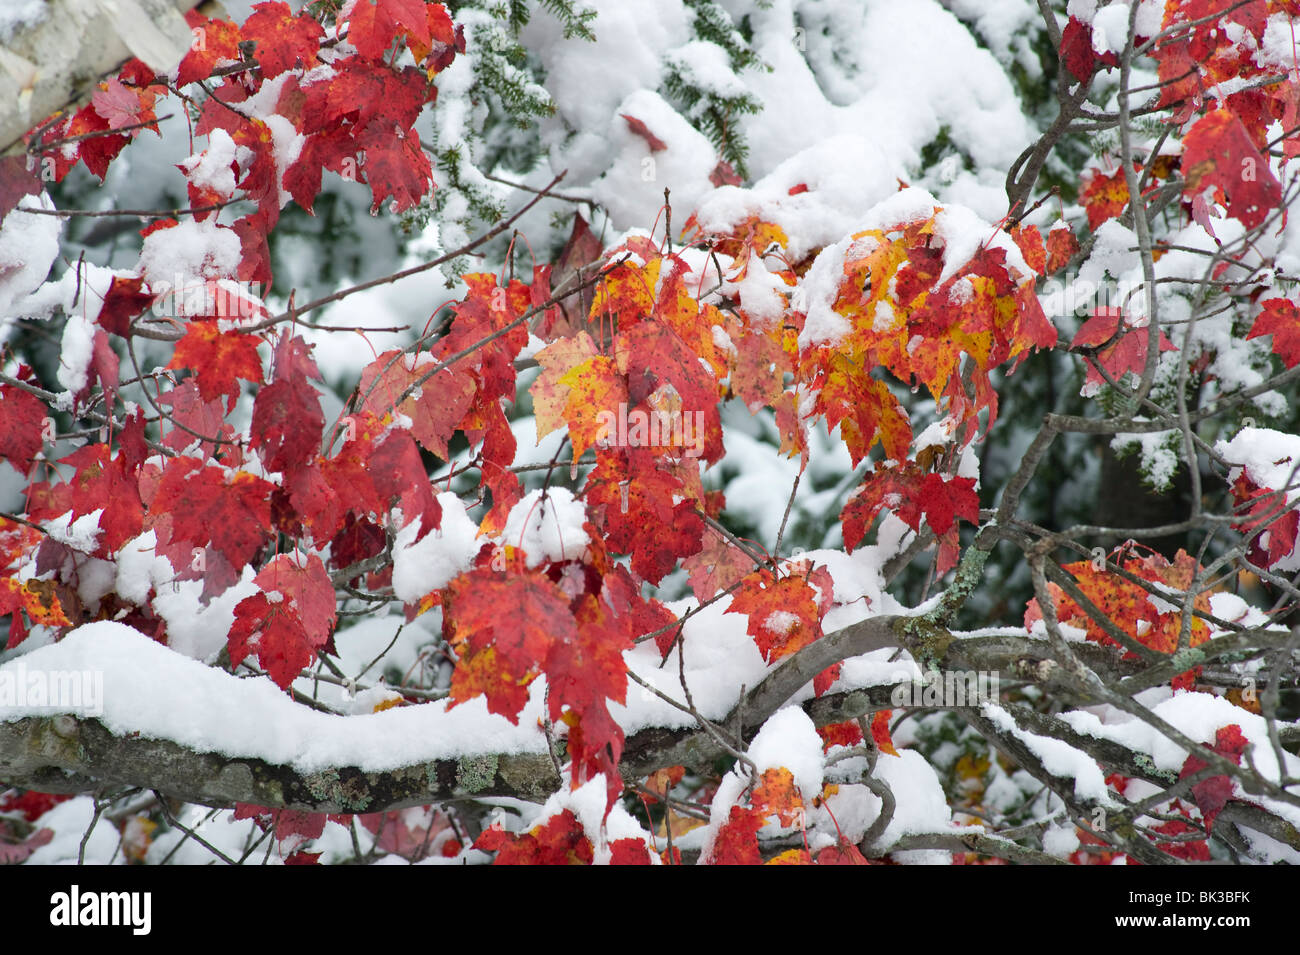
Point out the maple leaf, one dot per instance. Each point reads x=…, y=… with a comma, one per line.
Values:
x=121, y=105
x=1078, y=53
x=629, y=851
x=218, y=358
x=287, y=418
x=579, y=387
x=22, y=427
x=716, y=566
x=17, y=180
x=737, y=840
x=1062, y=246
x=124, y=301
x=784, y=614
x=206, y=506
x=284, y=39
x=1281, y=319
x=1218, y=152
x=1104, y=196
x=912, y=496
x=1128, y=605
x=372, y=25
x=560, y=840
x=435, y=409
x=636, y=507
x=101, y=483
x=193, y=419
x=640, y=129
x=1265, y=511
x=219, y=41
x=863, y=408
x=395, y=166
x=777, y=795
x=842, y=853
x=38, y=599
x=1121, y=348
x=503, y=627
x=288, y=623
x=1212, y=794
x=880, y=732
x=1030, y=243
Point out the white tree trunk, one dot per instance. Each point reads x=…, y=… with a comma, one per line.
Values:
x=58, y=61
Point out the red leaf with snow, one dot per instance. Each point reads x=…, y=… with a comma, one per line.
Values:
x=558, y=841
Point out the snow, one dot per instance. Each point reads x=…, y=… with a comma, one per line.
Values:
x=70, y=821
x=1271, y=460
x=75, y=355
x=29, y=244
x=960, y=231
x=1198, y=716
x=788, y=739
x=548, y=526
x=160, y=694
x=211, y=169
x=426, y=565
x=1057, y=756
x=632, y=188
x=1060, y=841
x=194, y=629
x=190, y=253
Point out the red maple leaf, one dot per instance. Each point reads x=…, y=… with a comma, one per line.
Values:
x=1062, y=246
x=503, y=627
x=122, y=105
x=784, y=614
x=217, y=358
x=101, y=482
x=737, y=839
x=1121, y=348
x=1218, y=152
x=629, y=851
x=1104, y=196
x=284, y=39
x=214, y=41
x=395, y=167
x=287, y=418
x=1212, y=794
x=17, y=180
x=842, y=853
x=1077, y=52
x=1281, y=319
x=288, y=623
x=639, y=128
x=22, y=426
x=637, y=508
x=372, y=25
x=232, y=513
x=912, y=495
x=560, y=840
x=123, y=302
